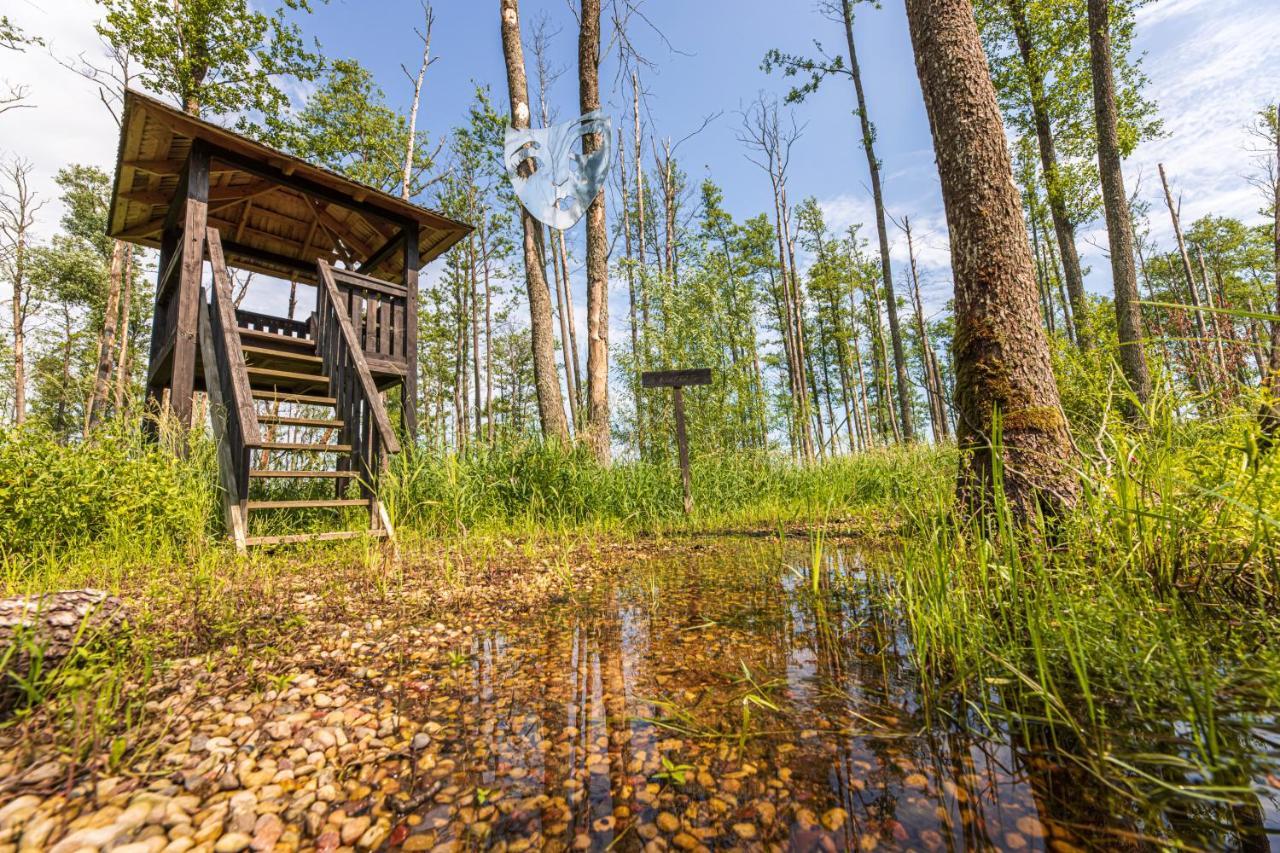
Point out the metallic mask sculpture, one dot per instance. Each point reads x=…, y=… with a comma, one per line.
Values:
x=553, y=179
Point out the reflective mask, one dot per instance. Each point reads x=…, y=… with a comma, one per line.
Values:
x=553, y=179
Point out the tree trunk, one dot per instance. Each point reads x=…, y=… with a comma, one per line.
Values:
x=631, y=284
x=126, y=315
x=597, y=431
x=1201, y=327
x=932, y=387
x=568, y=346
x=886, y=268
x=546, y=382
x=1271, y=405
x=1063, y=228
x=1001, y=352
x=107, y=341
x=1124, y=274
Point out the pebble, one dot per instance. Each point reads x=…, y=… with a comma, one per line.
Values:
x=667, y=822
x=353, y=828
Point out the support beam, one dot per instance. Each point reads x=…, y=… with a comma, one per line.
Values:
x=381, y=254
x=409, y=403
x=188, y=294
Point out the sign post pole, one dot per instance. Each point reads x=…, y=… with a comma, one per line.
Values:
x=676, y=380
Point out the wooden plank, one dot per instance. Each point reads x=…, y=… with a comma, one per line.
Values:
x=386, y=329
x=300, y=475
x=386, y=250
x=232, y=508
x=305, y=446
x=282, y=354
x=298, y=538
x=355, y=279
x=292, y=397
x=307, y=504
x=676, y=378
x=296, y=420
x=156, y=167
x=239, y=381
x=267, y=374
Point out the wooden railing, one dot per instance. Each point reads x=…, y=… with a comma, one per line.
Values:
x=377, y=310
x=241, y=433
x=359, y=405
x=278, y=325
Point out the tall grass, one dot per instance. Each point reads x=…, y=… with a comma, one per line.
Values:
x=1154, y=603
x=113, y=501
x=536, y=487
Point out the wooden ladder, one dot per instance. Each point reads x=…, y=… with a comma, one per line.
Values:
x=294, y=407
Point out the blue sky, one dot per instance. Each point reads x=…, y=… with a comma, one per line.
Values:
x=1212, y=63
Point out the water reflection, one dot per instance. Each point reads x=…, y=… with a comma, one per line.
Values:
x=716, y=702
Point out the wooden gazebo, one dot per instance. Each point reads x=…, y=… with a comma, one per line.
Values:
x=199, y=192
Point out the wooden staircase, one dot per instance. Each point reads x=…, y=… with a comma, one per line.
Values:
x=299, y=421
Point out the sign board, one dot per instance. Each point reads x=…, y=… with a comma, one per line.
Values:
x=676, y=378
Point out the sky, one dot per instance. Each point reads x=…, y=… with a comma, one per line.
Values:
x=1212, y=64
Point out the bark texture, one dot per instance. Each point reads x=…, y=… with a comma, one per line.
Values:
x=597, y=430
x=1124, y=273
x=1001, y=352
x=545, y=379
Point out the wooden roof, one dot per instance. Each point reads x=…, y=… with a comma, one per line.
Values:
x=276, y=213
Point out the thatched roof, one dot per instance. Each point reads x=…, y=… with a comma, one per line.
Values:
x=276, y=213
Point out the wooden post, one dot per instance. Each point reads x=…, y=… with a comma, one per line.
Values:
x=409, y=396
x=676, y=380
x=682, y=442
x=188, y=296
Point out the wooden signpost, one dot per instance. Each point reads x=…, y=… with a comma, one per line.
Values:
x=676, y=380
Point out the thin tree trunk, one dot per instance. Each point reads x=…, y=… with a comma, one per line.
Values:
x=564, y=308
x=573, y=316
x=410, y=143
x=1124, y=275
x=107, y=340
x=1001, y=352
x=1063, y=228
x=877, y=195
x=550, y=403
x=488, y=332
x=631, y=286
x=126, y=315
x=1213, y=319
x=597, y=432
x=1270, y=413
x=933, y=390
x=1202, y=330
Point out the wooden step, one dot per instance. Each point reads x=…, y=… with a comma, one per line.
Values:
x=295, y=538
x=279, y=377
x=307, y=504
x=262, y=473
x=293, y=397
x=280, y=354
x=292, y=420
x=306, y=446
x=276, y=339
